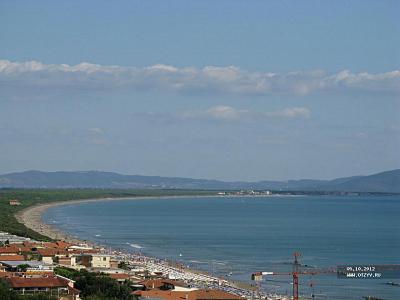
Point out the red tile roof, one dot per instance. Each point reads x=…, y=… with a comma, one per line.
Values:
x=52, y=252
x=14, y=248
x=64, y=245
x=29, y=244
x=157, y=283
x=189, y=295
x=214, y=294
x=45, y=282
x=11, y=257
x=7, y=250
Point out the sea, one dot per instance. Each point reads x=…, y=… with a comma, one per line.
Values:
x=236, y=236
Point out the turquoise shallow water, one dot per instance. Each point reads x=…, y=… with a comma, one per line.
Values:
x=247, y=234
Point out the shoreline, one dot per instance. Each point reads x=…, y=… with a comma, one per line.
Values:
x=31, y=217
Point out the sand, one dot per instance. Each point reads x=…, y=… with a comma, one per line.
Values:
x=31, y=216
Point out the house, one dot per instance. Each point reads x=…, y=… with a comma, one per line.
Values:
x=120, y=277
x=9, y=251
x=100, y=261
x=14, y=249
x=11, y=257
x=57, y=245
x=69, y=261
x=90, y=260
x=56, y=285
x=114, y=263
x=162, y=284
x=31, y=266
x=14, y=202
x=49, y=254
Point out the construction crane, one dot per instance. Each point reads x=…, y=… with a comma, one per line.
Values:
x=295, y=274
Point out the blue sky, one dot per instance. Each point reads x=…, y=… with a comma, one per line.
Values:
x=234, y=90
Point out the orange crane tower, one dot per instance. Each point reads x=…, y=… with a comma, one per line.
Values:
x=295, y=274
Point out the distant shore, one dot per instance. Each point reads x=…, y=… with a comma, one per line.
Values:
x=31, y=216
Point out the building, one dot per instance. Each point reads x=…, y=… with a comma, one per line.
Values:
x=6, y=237
x=120, y=277
x=14, y=202
x=92, y=260
x=100, y=261
x=48, y=255
x=58, y=286
x=68, y=261
x=11, y=257
x=31, y=266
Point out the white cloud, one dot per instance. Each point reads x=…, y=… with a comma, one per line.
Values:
x=210, y=79
x=225, y=112
x=291, y=112
x=229, y=113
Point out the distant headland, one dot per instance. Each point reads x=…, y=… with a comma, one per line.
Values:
x=384, y=182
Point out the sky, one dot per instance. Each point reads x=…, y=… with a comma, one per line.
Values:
x=230, y=90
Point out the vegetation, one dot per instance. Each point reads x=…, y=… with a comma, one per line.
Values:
x=95, y=286
x=22, y=268
x=123, y=265
x=29, y=197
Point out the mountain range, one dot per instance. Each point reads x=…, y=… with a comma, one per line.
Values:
x=385, y=182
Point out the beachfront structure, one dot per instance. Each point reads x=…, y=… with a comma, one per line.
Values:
x=58, y=286
x=11, y=257
x=15, y=249
x=31, y=266
x=6, y=237
x=85, y=260
x=120, y=277
x=100, y=261
x=14, y=202
x=66, y=261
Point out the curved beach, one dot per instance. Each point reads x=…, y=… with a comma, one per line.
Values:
x=31, y=216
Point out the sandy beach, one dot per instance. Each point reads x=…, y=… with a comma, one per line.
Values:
x=31, y=216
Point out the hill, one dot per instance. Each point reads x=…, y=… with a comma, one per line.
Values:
x=386, y=182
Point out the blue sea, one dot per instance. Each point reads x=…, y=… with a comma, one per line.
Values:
x=240, y=235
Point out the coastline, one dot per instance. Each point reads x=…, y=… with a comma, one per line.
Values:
x=31, y=217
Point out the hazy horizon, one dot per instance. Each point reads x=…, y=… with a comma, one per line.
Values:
x=233, y=180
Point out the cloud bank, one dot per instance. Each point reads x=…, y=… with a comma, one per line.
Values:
x=210, y=79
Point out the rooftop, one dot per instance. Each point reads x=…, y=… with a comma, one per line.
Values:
x=46, y=282
x=16, y=263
